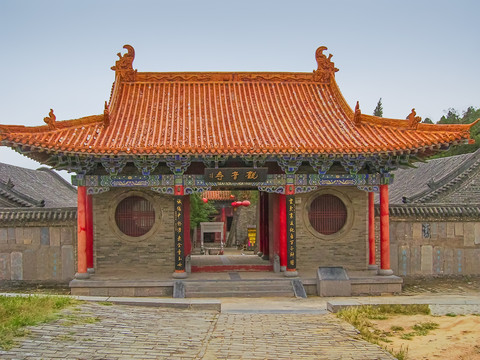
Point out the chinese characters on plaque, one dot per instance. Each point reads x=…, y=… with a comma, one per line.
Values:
x=179, y=234
x=236, y=175
x=291, y=233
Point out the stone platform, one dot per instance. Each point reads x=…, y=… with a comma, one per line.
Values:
x=135, y=284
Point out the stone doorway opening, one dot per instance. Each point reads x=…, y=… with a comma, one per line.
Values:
x=229, y=241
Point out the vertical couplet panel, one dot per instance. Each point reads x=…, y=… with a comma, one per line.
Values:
x=291, y=233
x=179, y=218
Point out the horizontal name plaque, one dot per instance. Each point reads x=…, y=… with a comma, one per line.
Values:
x=236, y=175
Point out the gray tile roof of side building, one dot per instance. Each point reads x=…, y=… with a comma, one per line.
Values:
x=430, y=179
x=21, y=187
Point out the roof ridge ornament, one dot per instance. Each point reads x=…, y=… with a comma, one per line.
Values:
x=413, y=120
x=50, y=120
x=325, y=66
x=124, y=64
x=357, y=114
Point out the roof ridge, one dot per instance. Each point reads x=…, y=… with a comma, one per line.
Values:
x=15, y=196
x=457, y=175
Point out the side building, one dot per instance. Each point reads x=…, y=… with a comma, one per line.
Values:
x=37, y=225
x=435, y=217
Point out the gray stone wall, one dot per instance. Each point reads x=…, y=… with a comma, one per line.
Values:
x=348, y=247
x=246, y=219
x=114, y=252
x=38, y=251
x=431, y=247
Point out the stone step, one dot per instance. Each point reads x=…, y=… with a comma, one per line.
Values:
x=231, y=288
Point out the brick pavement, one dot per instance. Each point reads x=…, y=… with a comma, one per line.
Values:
x=96, y=331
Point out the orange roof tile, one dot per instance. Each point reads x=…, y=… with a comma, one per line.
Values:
x=230, y=113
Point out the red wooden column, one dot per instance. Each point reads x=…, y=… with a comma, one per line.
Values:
x=282, y=225
x=81, y=234
x=89, y=228
x=371, y=232
x=384, y=233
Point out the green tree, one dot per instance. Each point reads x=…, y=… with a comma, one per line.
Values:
x=427, y=121
x=467, y=117
x=200, y=211
x=379, y=109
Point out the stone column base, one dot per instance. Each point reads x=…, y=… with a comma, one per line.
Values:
x=372, y=267
x=290, y=273
x=82, y=276
x=180, y=275
x=91, y=270
x=385, y=272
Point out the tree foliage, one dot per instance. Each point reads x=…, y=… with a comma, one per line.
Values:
x=466, y=117
x=199, y=211
x=379, y=109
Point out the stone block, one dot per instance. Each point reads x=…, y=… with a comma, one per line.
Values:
x=469, y=261
x=66, y=235
x=442, y=231
x=477, y=234
x=16, y=265
x=11, y=235
x=5, y=266
x=44, y=236
x=54, y=236
x=427, y=260
x=36, y=235
x=417, y=231
x=450, y=230
x=48, y=263
x=469, y=234
x=68, y=262
x=3, y=235
x=403, y=261
x=459, y=261
x=459, y=228
x=448, y=262
x=121, y=291
x=333, y=281
x=415, y=260
x=438, y=261
x=19, y=235
x=394, y=258
x=30, y=264
x=434, y=231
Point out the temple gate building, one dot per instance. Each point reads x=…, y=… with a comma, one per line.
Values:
x=292, y=136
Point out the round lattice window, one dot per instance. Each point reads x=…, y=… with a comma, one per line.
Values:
x=327, y=214
x=135, y=216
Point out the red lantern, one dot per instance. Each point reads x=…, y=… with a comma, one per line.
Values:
x=246, y=203
x=205, y=200
x=235, y=204
x=232, y=196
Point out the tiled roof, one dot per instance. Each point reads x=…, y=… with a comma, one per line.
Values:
x=432, y=178
x=231, y=113
x=21, y=187
x=435, y=211
x=22, y=215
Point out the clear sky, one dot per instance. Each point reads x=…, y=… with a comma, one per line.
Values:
x=58, y=54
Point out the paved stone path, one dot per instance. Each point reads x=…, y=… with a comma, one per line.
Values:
x=96, y=331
